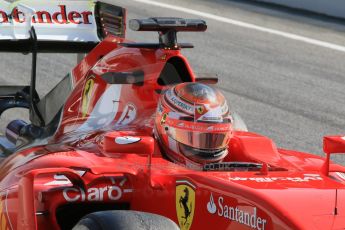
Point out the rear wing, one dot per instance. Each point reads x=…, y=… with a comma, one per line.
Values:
x=60, y=26
x=50, y=26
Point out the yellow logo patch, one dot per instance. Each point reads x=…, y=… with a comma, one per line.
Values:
x=87, y=97
x=164, y=118
x=185, y=205
x=200, y=110
x=3, y=219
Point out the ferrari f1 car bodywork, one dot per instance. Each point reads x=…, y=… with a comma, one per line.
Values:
x=90, y=146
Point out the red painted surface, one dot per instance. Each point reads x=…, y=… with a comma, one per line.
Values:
x=82, y=163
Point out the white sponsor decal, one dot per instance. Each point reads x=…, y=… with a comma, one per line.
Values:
x=234, y=213
x=57, y=14
x=305, y=178
x=76, y=20
x=343, y=138
x=63, y=180
x=126, y=140
x=93, y=194
x=57, y=182
x=111, y=192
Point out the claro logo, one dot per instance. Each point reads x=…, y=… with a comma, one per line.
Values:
x=61, y=16
x=112, y=193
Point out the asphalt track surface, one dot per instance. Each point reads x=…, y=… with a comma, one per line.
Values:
x=289, y=90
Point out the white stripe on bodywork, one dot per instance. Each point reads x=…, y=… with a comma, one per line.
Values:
x=58, y=182
x=105, y=110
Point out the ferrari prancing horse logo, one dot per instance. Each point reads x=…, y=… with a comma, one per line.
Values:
x=185, y=204
x=200, y=110
x=87, y=97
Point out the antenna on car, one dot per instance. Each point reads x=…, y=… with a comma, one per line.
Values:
x=167, y=28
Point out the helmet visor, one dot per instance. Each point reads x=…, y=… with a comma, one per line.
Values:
x=200, y=140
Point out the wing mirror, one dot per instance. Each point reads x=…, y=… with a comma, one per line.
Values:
x=332, y=145
x=126, y=142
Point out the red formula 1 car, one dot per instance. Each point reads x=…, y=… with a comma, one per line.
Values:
x=89, y=160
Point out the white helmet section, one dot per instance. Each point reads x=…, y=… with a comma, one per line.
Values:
x=52, y=20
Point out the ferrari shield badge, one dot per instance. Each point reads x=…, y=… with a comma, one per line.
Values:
x=185, y=204
x=200, y=110
x=87, y=96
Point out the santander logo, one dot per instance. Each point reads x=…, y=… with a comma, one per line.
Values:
x=60, y=15
x=250, y=217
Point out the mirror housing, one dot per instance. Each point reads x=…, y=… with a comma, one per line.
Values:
x=129, y=142
x=332, y=145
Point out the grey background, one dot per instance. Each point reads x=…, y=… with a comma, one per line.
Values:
x=335, y=8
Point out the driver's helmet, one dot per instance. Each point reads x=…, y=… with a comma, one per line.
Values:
x=193, y=124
